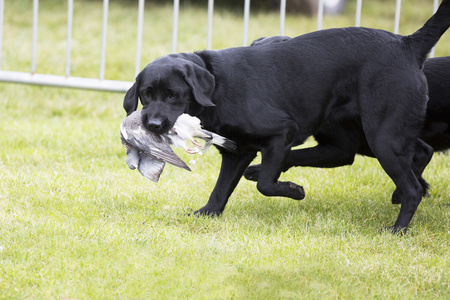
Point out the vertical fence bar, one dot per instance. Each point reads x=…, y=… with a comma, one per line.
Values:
x=246, y=21
x=104, y=34
x=358, y=13
x=435, y=7
x=282, y=16
x=398, y=5
x=69, y=35
x=210, y=24
x=34, y=35
x=2, y=10
x=320, y=15
x=176, y=10
x=137, y=65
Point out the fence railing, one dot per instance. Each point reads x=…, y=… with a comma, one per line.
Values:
x=103, y=84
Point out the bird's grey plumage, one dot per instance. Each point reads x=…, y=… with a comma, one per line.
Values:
x=150, y=168
x=148, y=152
x=132, y=156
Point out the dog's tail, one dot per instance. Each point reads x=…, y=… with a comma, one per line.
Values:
x=424, y=39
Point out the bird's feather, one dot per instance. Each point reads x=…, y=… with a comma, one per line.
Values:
x=150, y=168
x=188, y=127
x=218, y=140
x=154, y=145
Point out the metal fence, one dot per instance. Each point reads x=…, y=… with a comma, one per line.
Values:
x=103, y=84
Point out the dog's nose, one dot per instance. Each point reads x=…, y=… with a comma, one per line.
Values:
x=154, y=125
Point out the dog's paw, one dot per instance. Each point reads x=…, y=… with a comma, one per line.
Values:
x=282, y=189
x=207, y=212
x=394, y=230
x=295, y=191
x=252, y=172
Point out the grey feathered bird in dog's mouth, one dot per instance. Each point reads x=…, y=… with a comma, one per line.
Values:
x=148, y=152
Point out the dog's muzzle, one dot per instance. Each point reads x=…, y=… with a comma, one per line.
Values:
x=157, y=125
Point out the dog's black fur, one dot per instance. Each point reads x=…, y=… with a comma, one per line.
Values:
x=272, y=97
x=338, y=141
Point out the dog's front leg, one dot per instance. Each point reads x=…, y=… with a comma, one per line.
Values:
x=274, y=156
x=232, y=168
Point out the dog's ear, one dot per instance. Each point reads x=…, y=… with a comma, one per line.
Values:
x=130, y=102
x=202, y=83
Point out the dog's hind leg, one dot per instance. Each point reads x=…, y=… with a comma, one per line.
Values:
x=397, y=164
x=320, y=156
x=337, y=146
x=274, y=155
x=393, y=139
x=422, y=156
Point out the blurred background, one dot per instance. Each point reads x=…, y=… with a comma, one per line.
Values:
x=132, y=33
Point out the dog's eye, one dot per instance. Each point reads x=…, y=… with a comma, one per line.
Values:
x=172, y=95
x=147, y=94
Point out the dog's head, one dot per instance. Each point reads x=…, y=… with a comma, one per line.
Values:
x=168, y=87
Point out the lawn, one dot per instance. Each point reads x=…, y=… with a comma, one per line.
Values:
x=76, y=223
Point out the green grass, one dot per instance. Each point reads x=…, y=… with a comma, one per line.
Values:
x=76, y=223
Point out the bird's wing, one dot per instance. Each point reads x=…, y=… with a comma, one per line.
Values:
x=132, y=158
x=170, y=158
x=132, y=154
x=150, y=168
x=153, y=145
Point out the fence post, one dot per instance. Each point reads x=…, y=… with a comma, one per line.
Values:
x=398, y=5
x=320, y=15
x=246, y=20
x=34, y=35
x=176, y=8
x=2, y=10
x=358, y=13
x=210, y=24
x=137, y=65
x=104, y=34
x=69, y=35
x=282, y=16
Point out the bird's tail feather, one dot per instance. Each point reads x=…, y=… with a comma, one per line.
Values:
x=219, y=141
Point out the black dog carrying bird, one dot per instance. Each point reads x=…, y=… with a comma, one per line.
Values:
x=148, y=152
x=271, y=98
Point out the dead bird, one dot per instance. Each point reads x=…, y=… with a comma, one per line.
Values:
x=187, y=128
x=148, y=152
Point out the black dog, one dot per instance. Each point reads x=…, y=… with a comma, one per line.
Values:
x=272, y=97
x=340, y=140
